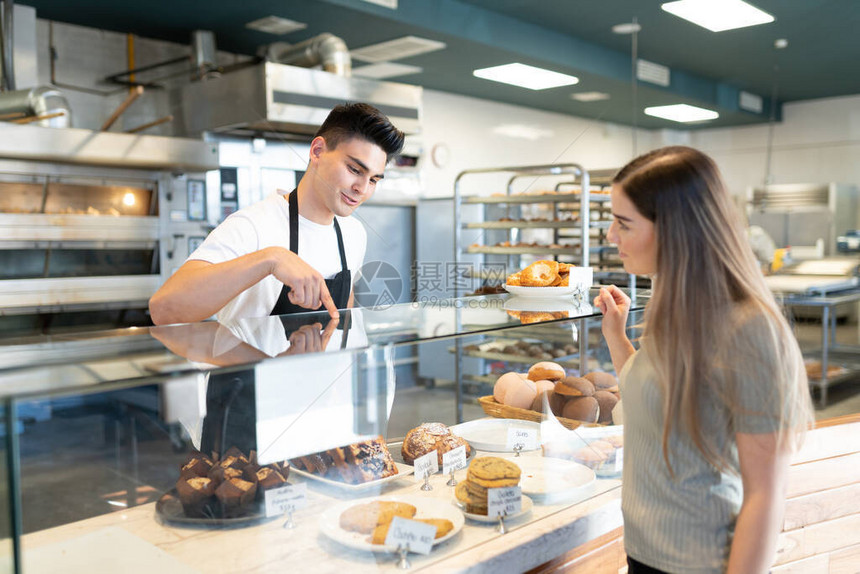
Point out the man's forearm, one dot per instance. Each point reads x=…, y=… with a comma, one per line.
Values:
x=199, y=289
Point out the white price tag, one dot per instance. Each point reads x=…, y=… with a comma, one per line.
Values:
x=286, y=498
x=454, y=459
x=619, y=459
x=426, y=465
x=525, y=438
x=504, y=501
x=413, y=535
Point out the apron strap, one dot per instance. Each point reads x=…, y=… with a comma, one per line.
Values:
x=293, y=200
x=294, y=230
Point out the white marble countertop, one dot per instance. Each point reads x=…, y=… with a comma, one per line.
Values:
x=134, y=540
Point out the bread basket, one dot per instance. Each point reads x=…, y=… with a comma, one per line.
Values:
x=498, y=410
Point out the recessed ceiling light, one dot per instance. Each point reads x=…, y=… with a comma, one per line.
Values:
x=627, y=28
x=526, y=76
x=590, y=96
x=276, y=25
x=396, y=49
x=718, y=16
x=683, y=113
x=384, y=70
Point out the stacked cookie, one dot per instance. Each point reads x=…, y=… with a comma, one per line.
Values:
x=485, y=473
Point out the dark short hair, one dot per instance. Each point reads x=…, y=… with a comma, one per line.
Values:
x=361, y=120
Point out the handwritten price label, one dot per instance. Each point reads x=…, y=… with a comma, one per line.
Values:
x=619, y=459
x=454, y=459
x=413, y=535
x=504, y=501
x=286, y=498
x=524, y=438
x=426, y=465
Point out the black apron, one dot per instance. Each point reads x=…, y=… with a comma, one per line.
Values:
x=231, y=414
x=339, y=286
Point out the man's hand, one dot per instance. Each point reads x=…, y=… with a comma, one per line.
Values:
x=307, y=286
x=308, y=338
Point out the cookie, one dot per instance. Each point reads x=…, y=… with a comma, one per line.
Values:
x=471, y=503
x=364, y=518
x=494, y=472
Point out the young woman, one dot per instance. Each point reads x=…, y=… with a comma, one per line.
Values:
x=716, y=398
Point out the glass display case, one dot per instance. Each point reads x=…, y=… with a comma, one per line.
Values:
x=115, y=442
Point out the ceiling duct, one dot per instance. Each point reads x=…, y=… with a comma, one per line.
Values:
x=326, y=50
x=44, y=106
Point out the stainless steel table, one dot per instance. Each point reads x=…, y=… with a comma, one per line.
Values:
x=827, y=302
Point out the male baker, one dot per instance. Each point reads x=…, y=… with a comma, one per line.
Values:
x=293, y=252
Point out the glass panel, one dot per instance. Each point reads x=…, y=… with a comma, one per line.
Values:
x=101, y=470
x=7, y=559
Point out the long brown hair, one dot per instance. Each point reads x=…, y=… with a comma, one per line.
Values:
x=707, y=285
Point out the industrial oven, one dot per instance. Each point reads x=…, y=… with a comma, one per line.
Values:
x=92, y=223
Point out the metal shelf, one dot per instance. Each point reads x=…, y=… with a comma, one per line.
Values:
x=572, y=251
x=544, y=198
x=514, y=358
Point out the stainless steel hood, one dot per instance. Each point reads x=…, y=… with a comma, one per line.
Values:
x=277, y=98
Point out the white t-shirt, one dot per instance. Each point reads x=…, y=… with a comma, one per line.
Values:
x=267, y=224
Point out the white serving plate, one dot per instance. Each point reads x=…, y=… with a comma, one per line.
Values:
x=403, y=470
x=525, y=506
x=580, y=278
x=541, y=292
x=551, y=478
x=492, y=434
x=428, y=507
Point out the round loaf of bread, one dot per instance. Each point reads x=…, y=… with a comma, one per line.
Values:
x=602, y=381
x=546, y=370
x=521, y=395
x=606, y=401
x=504, y=383
x=574, y=387
x=583, y=409
x=544, y=390
x=556, y=403
x=429, y=437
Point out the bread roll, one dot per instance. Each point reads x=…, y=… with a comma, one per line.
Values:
x=583, y=409
x=602, y=381
x=521, y=395
x=546, y=370
x=606, y=402
x=574, y=387
x=502, y=385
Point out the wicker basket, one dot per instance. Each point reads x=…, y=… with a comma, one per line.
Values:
x=494, y=409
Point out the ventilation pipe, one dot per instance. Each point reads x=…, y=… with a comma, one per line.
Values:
x=8, y=70
x=326, y=49
x=45, y=102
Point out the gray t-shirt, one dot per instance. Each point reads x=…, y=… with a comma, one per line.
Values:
x=685, y=524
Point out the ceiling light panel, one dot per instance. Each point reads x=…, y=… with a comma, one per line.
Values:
x=404, y=47
x=276, y=25
x=384, y=70
x=718, y=15
x=590, y=96
x=683, y=113
x=525, y=76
